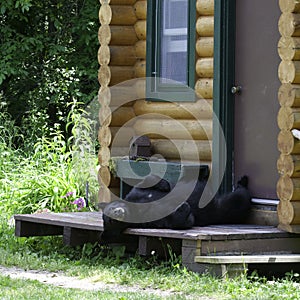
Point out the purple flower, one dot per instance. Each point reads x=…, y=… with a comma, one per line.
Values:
x=80, y=203
x=68, y=194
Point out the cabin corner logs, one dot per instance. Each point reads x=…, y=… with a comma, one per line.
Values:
x=288, y=186
x=122, y=57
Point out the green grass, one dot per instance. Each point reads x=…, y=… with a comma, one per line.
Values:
x=31, y=289
x=102, y=265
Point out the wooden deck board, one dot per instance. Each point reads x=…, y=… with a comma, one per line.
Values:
x=215, y=232
x=93, y=221
x=82, y=220
x=196, y=245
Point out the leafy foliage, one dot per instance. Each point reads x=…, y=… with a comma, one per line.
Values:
x=49, y=58
x=48, y=75
x=50, y=176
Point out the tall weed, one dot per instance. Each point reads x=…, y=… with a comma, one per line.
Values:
x=48, y=176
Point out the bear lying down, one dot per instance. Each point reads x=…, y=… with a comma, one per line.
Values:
x=231, y=208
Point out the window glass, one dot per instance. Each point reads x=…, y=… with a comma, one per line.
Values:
x=173, y=46
x=171, y=39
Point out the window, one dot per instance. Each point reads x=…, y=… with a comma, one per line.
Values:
x=171, y=49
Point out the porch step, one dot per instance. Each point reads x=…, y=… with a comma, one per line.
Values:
x=233, y=265
x=248, y=259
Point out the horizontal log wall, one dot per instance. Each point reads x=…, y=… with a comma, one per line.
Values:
x=179, y=120
x=202, y=109
x=122, y=56
x=118, y=63
x=288, y=164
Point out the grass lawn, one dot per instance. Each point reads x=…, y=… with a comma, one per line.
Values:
x=31, y=289
x=99, y=264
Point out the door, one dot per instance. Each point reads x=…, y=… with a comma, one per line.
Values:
x=256, y=106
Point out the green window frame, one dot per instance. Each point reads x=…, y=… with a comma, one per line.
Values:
x=160, y=20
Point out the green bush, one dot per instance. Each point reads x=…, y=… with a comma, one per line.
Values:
x=48, y=59
x=48, y=74
x=48, y=176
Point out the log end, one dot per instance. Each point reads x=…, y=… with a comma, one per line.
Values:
x=104, y=156
x=104, y=75
x=286, y=71
x=285, y=165
x=285, y=188
x=285, y=142
x=289, y=6
x=285, y=212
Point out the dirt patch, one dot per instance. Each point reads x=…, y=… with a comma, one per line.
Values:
x=60, y=280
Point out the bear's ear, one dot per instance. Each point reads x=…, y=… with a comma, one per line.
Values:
x=203, y=172
x=163, y=186
x=154, y=182
x=243, y=181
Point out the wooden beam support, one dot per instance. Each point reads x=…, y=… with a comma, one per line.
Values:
x=76, y=237
x=149, y=246
x=27, y=229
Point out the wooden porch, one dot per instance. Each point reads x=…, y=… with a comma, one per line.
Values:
x=220, y=250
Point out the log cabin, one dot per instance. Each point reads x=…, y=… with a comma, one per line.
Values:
x=242, y=58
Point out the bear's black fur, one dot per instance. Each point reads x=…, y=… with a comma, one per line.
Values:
x=181, y=218
x=231, y=208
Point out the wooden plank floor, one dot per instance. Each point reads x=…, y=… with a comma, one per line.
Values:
x=93, y=221
x=216, y=240
x=82, y=220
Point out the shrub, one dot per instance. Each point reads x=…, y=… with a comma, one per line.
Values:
x=45, y=177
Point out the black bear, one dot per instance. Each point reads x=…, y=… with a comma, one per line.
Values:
x=231, y=208
x=115, y=212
